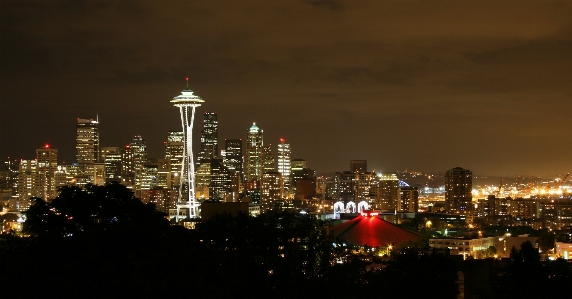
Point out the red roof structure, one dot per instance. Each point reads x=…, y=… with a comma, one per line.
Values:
x=372, y=231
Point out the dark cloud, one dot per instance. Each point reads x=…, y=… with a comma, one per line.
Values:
x=416, y=84
x=331, y=4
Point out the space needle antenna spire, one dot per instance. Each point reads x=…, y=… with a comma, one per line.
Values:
x=187, y=102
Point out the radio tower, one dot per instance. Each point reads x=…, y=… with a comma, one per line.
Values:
x=187, y=102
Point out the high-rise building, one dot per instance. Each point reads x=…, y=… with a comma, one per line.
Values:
x=220, y=183
x=29, y=185
x=111, y=157
x=270, y=190
x=149, y=179
x=233, y=155
x=139, y=150
x=268, y=160
x=387, y=193
x=458, y=190
x=9, y=179
x=187, y=103
x=408, y=199
x=302, y=179
x=47, y=166
x=163, y=172
x=174, y=154
x=284, y=162
x=174, y=148
x=358, y=166
x=209, y=138
x=345, y=185
x=87, y=144
x=233, y=160
x=127, y=168
x=203, y=181
x=253, y=161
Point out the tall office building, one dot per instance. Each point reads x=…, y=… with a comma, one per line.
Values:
x=139, y=150
x=29, y=185
x=458, y=190
x=284, y=162
x=253, y=161
x=345, y=185
x=387, y=193
x=111, y=157
x=87, y=144
x=127, y=168
x=209, y=138
x=233, y=160
x=47, y=159
x=203, y=181
x=220, y=181
x=358, y=166
x=302, y=179
x=365, y=187
x=233, y=155
x=408, y=199
x=174, y=154
x=270, y=190
x=268, y=160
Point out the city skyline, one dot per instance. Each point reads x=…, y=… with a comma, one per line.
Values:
x=420, y=86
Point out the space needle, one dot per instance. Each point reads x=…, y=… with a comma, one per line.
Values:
x=187, y=102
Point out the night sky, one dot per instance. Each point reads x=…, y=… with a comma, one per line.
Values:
x=422, y=85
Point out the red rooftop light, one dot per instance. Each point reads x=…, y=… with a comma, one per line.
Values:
x=369, y=213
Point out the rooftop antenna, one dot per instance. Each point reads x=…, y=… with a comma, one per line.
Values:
x=187, y=82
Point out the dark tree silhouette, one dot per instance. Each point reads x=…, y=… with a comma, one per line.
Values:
x=526, y=276
x=94, y=208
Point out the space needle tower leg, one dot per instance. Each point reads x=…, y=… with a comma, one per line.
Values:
x=187, y=103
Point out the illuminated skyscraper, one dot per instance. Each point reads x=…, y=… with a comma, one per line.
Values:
x=127, y=169
x=458, y=190
x=47, y=166
x=139, y=150
x=232, y=159
x=268, y=160
x=270, y=190
x=209, y=138
x=284, y=162
x=408, y=199
x=387, y=193
x=253, y=161
x=220, y=181
x=111, y=157
x=29, y=184
x=87, y=144
x=187, y=103
x=302, y=180
x=174, y=151
x=233, y=155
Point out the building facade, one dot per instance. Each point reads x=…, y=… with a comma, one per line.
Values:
x=253, y=157
x=270, y=190
x=284, y=163
x=47, y=159
x=458, y=190
x=209, y=138
x=87, y=143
